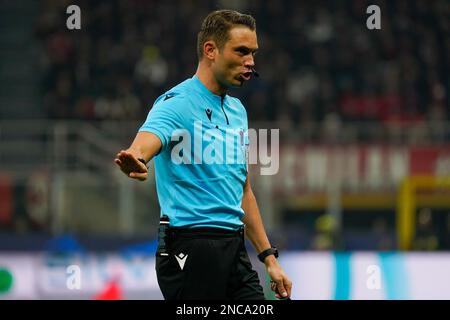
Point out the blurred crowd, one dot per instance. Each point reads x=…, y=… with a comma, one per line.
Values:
x=317, y=60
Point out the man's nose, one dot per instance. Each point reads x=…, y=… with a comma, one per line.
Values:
x=250, y=62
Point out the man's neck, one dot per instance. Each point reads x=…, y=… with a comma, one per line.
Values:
x=206, y=76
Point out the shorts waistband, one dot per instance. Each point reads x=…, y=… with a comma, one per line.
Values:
x=205, y=232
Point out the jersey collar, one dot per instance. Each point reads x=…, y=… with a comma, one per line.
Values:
x=204, y=90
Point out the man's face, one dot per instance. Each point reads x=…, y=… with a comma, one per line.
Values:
x=234, y=62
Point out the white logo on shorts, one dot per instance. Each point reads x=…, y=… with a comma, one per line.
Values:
x=181, y=258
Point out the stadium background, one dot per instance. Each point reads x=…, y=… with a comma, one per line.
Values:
x=363, y=187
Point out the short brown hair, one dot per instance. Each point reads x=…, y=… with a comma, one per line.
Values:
x=216, y=26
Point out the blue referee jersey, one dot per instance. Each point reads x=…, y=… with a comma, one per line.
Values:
x=202, y=166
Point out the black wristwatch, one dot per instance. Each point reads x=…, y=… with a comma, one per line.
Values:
x=262, y=256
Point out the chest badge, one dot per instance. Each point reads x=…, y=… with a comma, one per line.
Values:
x=208, y=113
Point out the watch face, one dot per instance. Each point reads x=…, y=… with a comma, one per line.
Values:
x=275, y=252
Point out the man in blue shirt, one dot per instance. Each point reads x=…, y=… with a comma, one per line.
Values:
x=198, y=136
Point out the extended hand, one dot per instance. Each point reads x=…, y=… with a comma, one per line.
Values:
x=131, y=166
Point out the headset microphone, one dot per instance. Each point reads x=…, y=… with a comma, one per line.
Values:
x=255, y=73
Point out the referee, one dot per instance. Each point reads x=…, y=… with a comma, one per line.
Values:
x=198, y=136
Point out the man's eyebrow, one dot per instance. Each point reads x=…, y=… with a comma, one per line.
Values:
x=246, y=48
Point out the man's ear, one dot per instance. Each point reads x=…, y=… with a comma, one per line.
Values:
x=209, y=50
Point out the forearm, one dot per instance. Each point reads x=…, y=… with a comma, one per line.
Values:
x=282, y=286
x=254, y=226
x=145, y=146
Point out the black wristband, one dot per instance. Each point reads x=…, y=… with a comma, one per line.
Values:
x=263, y=254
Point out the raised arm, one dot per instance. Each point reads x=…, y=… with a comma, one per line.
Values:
x=131, y=161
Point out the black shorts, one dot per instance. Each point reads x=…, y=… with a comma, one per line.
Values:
x=207, y=263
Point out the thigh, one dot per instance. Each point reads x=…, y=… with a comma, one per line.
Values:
x=196, y=268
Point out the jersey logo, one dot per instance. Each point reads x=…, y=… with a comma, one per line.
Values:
x=168, y=96
x=208, y=113
x=181, y=258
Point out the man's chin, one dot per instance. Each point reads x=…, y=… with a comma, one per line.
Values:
x=237, y=83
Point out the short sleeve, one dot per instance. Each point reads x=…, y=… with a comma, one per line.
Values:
x=164, y=118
